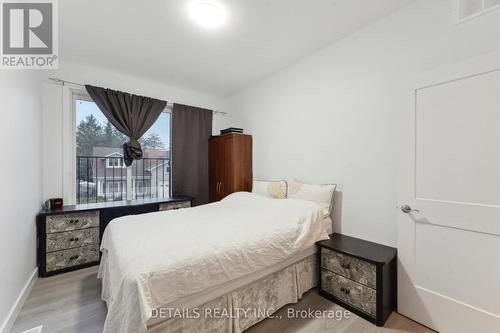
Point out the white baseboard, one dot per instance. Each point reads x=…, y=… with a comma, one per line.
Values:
x=18, y=305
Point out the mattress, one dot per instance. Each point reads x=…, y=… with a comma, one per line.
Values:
x=181, y=258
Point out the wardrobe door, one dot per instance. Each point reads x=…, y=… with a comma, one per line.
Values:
x=227, y=182
x=217, y=168
x=241, y=163
x=214, y=169
x=212, y=182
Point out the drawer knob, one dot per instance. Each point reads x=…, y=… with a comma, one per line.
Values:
x=73, y=239
x=74, y=257
x=346, y=266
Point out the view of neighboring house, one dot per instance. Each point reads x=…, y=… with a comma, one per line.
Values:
x=103, y=176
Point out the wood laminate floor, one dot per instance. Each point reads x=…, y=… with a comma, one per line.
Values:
x=71, y=303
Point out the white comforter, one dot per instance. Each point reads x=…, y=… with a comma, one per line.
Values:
x=151, y=260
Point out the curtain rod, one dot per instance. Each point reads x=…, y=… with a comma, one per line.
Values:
x=64, y=82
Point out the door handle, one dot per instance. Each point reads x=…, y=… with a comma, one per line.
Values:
x=407, y=209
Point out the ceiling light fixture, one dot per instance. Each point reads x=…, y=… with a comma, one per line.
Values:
x=208, y=14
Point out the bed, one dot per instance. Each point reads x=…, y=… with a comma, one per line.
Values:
x=218, y=267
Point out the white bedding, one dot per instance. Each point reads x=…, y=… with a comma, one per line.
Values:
x=153, y=260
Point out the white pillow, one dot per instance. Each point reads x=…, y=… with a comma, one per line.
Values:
x=322, y=194
x=274, y=189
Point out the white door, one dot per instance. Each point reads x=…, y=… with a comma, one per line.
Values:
x=449, y=244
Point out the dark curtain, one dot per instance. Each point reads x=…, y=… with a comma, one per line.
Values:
x=191, y=129
x=131, y=114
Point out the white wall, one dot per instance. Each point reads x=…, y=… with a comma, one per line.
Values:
x=34, y=124
x=332, y=117
x=20, y=198
x=57, y=120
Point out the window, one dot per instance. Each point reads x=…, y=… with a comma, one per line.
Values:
x=140, y=186
x=114, y=187
x=468, y=9
x=115, y=161
x=101, y=174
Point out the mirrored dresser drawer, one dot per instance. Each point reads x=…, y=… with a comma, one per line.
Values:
x=74, y=221
x=71, y=239
x=73, y=257
x=174, y=205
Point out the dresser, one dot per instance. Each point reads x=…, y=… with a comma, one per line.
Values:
x=359, y=276
x=230, y=165
x=69, y=238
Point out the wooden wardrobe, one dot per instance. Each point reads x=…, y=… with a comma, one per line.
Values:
x=230, y=163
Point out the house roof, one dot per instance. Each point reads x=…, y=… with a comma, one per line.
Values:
x=115, y=154
x=118, y=151
x=106, y=151
x=156, y=153
x=160, y=166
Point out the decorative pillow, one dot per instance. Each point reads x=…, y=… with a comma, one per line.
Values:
x=322, y=194
x=274, y=189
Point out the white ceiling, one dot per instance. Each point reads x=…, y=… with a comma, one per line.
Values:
x=156, y=39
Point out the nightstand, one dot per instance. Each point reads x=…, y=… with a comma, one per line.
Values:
x=358, y=275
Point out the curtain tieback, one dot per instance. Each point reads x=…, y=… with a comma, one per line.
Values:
x=132, y=151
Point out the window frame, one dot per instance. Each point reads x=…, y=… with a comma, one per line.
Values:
x=80, y=94
x=140, y=182
x=118, y=184
x=119, y=160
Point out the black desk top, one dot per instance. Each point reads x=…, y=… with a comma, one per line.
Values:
x=110, y=204
x=372, y=252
